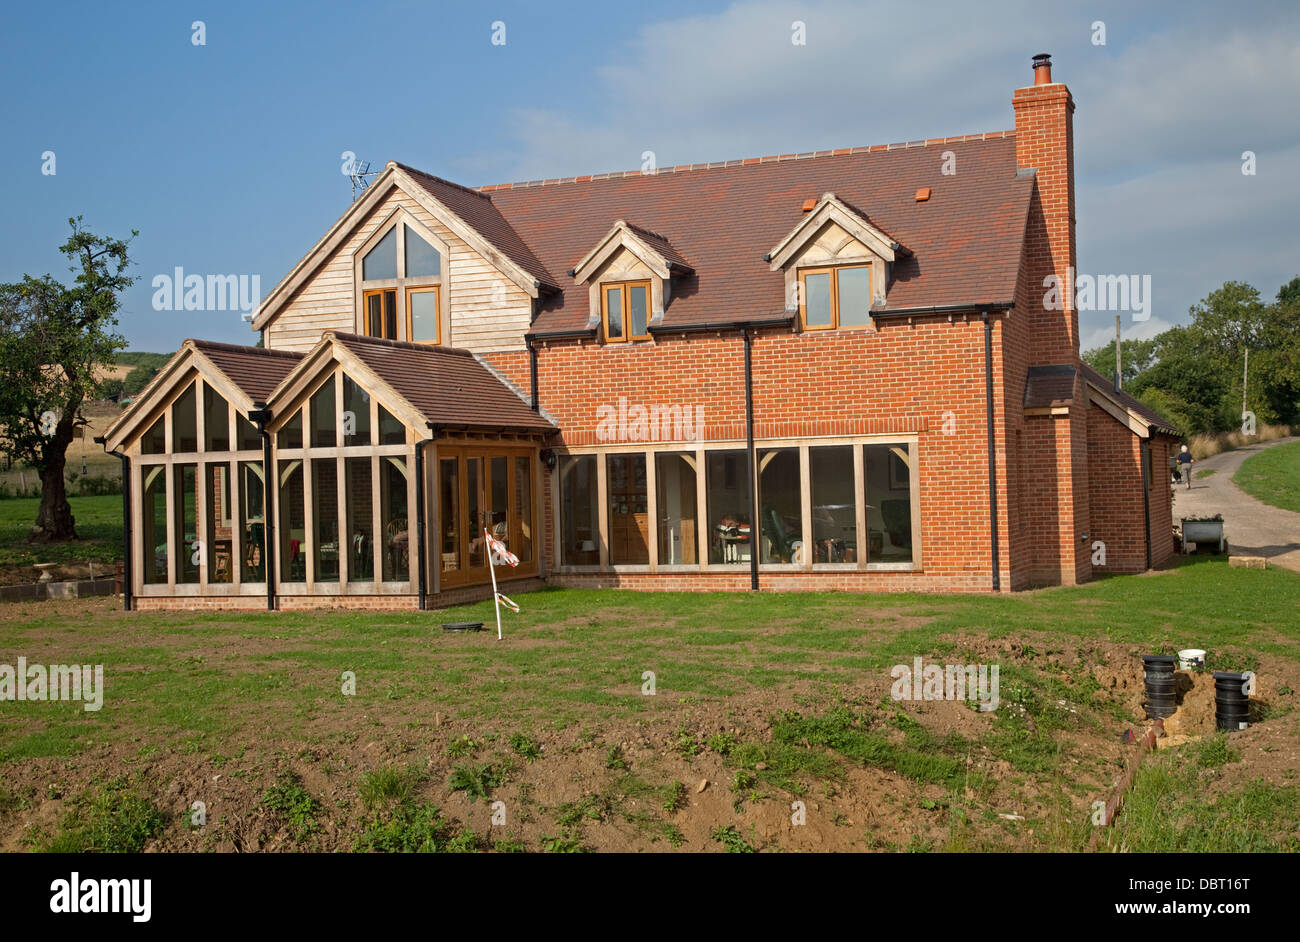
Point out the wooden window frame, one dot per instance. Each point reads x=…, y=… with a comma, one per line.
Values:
x=403, y=285
x=366, y=295
x=834, y=272
x=437, y=303
x=626, y=295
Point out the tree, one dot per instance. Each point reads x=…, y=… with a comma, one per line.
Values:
x=138, y=378
x=1136, y=356
x=54, y=340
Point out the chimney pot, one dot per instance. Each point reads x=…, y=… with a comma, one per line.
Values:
x=1043, y=68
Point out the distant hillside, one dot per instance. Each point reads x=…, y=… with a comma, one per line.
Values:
x=136, y=358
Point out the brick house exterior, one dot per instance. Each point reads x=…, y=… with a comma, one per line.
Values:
x=831, y=371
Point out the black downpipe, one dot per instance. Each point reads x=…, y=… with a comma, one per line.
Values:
x=532, y=374
x=126, y=521
x=993, y=464
x=269, y=481
x=754, y=524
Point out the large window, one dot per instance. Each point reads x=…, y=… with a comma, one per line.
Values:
x=727, y=498
x=210, y=482
x=850, y=505
x=779, y=502
x=291, y=527
x=834, y=511
x=393, y=517
x=401, y=281
x=625, y=310
x=835, y=297
x=629, y=509
x=579, y=511
x=886, y=476
x=360, y=546
x=676, y=496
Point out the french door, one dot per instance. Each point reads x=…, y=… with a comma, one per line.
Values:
x=483, y=491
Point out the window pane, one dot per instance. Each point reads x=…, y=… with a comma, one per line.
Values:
x=523, y=509
x=361, y=527
x=291, y=528
x=249, y=438
x=185, y=425
x=390, y=315
x=186, y=533
x=424, y=316
x=676, y=495
x=422, y=259
x=322, y=416
x=356, y=414
x=834, y=514
x=325, y=519
x=290, y=434
x=153, y=524
x=614, y=312
x=579, y=511
x=629, y=524
x=449, y=512
x=252, y=522
x=779, y=497
x=499, y=495
x=154, y=441
x=221, y=534
x=216, y=420
x=375, y=314
x=381, y=261
x=817, y=299
x=727, y=499
x=391, y=431
x=855, y=296
x=393, y=514
x=638, y=304
x=474, y=512
x=887, y=477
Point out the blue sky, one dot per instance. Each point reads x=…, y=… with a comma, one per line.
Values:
x=227, y=159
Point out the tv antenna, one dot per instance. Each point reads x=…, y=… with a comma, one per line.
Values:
x=360, y=175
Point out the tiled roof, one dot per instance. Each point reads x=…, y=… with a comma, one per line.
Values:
x=255, y=370
x=448, y=386
x=661, y=245
x=1149, y=415
x=482, y=214
x=724, y=217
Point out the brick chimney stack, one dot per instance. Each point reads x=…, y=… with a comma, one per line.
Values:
x=1045, y=144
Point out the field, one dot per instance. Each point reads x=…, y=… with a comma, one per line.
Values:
x=1273, y=476
x=614, y=721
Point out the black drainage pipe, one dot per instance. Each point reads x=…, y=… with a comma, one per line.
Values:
x=1231, y=702
x=1161, y=690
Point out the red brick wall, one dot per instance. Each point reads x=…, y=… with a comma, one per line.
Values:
x=1115, y=485
x=1161, y=497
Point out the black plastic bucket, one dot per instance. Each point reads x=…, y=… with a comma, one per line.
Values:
x=1231, y=702
x=1161, y=685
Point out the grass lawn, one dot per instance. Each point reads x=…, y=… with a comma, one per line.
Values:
x=764, y=699
x=99, y=524
x=1273, y=476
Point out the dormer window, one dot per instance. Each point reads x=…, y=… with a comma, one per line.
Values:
x=401, y=286
x=625, y=308
x=834, y=297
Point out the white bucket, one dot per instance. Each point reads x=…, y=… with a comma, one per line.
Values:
x=1191, y=659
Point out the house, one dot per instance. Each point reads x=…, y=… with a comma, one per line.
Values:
x=836, y=370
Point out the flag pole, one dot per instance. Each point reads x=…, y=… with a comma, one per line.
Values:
x=496, y=599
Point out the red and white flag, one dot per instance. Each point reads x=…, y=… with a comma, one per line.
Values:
x=502, y=554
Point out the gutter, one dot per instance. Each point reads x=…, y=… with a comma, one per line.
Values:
x=783, y=321
x=755, y=525
x=126, y=520
x=269, y=482
x=983, y=309
x=993, y=466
